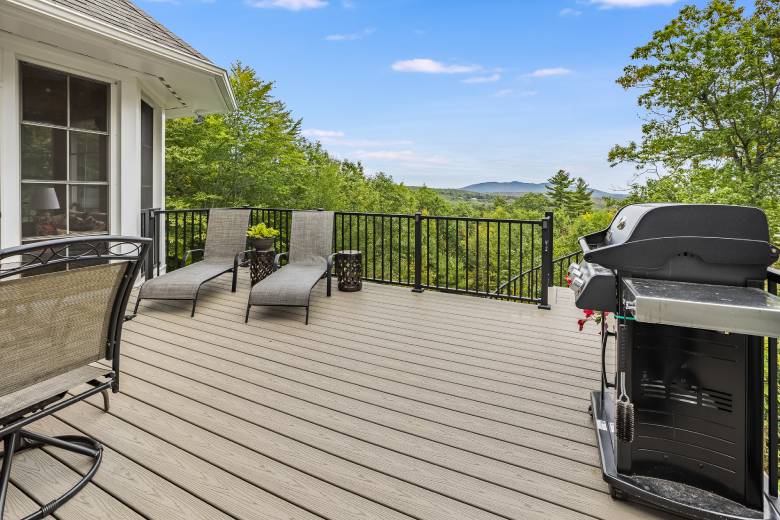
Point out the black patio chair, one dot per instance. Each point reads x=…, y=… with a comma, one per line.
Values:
x=62, y=306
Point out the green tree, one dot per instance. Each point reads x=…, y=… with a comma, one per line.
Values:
x=559, y=191
x=253, y=153
x=581, y=198
x=711, y=79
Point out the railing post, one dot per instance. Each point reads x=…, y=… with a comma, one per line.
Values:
x=417, y=253
x=547, y=259
x=772, y=439
x=156, y=234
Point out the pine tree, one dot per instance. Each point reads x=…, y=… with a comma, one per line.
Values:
x=558, y=190
x=581, y=199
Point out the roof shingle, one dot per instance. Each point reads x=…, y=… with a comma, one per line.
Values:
x=125, y=15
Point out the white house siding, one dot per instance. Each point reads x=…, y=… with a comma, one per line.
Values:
x=127, y=90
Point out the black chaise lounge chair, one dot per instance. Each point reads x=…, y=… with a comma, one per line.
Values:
x=310, y=259
x=224, y=249
x=62, y=306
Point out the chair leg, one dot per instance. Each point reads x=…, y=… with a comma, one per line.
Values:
x=137, y=301
x=235, y=279
x=327, y=292
x=307, y=315
x=194, y=302
x=106, y=401
x=246, y=318
x=9, y=447
x=73, y=443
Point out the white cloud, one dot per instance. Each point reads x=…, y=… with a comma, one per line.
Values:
x=407, y=157
x=350, y=36
x=568, y=11
x=337, y=137
x=428, y=66
x=608, y=4
x=290, y=5
x=482, y=79
x=322, y=134
x=546, y=73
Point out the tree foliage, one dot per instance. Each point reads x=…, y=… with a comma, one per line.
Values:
x=710, y=81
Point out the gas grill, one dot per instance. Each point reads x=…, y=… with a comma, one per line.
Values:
x=681, y=426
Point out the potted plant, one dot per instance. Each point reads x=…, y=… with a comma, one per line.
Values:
x=262, y=237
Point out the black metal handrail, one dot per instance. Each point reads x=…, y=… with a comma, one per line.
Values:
x=454, y=254
x=773, y=281
x=560, y=270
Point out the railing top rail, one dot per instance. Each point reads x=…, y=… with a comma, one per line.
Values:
x=372, y=214
x=485, y=219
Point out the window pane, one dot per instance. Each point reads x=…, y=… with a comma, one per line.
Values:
x=88, y=209
x=88, y=157
x=88, y=104
x=147, y=155
x=43, y=153
x=43, y=210
x=44, y=95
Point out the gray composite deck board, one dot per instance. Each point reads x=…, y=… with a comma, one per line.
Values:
x=388, y=405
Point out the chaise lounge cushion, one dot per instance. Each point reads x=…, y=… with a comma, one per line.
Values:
x=290, y=285
x=184, y=283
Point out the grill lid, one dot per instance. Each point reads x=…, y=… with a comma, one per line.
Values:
x=686, y=242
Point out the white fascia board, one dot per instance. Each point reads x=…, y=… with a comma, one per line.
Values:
x=80, y=21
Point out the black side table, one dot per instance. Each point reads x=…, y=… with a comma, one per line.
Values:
x=261, y=264
x=349, y=270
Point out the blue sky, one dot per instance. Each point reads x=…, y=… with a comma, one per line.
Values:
x=445, y=93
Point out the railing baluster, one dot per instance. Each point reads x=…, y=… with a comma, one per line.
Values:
x=772, y=438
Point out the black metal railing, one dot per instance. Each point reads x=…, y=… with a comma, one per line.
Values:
x=455, y=254
x=773, y=281
x=531, y=276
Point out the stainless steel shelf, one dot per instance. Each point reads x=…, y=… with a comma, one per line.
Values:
x=721, y=308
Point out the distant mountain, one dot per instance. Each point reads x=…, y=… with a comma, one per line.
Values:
x=524, y=187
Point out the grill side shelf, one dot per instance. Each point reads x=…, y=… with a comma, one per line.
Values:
x=742, y=310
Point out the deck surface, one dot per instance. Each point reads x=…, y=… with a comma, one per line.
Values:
x=389, y=405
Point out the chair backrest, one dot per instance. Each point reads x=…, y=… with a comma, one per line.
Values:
x=226, y=234
x=55, y=322
x=311, y=237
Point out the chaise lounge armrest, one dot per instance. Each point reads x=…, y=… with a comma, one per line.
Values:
x=278, y=260
x=188, y=253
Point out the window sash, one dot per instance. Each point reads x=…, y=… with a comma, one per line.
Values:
x=68, y=182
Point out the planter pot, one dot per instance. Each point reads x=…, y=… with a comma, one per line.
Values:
x=262, y=244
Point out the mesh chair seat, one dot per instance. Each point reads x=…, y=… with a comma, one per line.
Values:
x=184, y=283
x=27, y=398
x=289, y=286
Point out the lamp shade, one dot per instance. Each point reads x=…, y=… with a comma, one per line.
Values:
x=44, y=198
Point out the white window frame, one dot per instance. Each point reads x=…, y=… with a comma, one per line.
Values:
x=68, y=129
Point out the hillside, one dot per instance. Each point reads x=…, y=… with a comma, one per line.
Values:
x=524, y=187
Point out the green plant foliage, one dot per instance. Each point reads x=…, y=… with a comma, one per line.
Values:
x=262, y=231
x=709, y=85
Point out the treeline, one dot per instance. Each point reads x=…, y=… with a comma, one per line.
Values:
x=257, y=156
